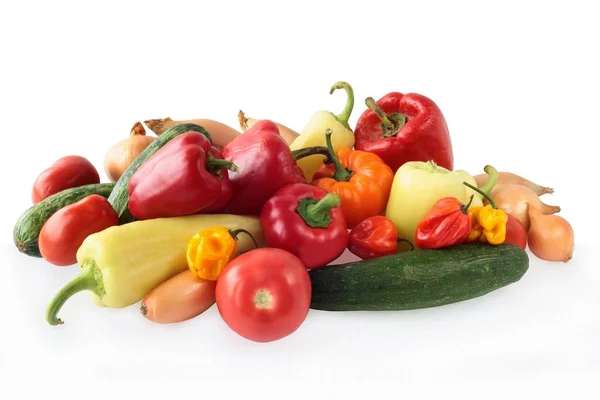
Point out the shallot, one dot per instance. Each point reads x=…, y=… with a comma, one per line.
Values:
x=512, y=198
x=550, y=237
x=509, y=178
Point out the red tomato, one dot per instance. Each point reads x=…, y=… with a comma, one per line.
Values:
x=64, y=232
x=264, y=294
x=66, y=173
x=515, y=233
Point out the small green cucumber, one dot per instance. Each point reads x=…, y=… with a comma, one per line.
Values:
x=30, y=223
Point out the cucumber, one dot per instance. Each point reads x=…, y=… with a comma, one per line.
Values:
x=417, y=279
x=30, y=223
x=119, y=198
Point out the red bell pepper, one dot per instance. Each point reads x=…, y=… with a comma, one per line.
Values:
x=265, y=165
x=306, y=221
x=184, y=177
x=404, y=127
x=446, y=224
x=374, y=237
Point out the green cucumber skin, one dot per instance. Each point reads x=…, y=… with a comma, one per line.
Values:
x=417, y=279
x=119, y=198
x=30, y=223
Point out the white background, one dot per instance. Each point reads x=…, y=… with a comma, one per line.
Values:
x=517, y=82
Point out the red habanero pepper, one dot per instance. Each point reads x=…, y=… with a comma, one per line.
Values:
x=184, y=177
x=404, y=127
x=446, y=224
x=373, y=238
x=306, y=221
x=265, y=165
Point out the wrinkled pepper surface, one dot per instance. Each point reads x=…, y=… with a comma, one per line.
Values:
x=184, y=177
x=306, y=221
x=211, y=249
x=373, y=238
x=361, y=179
x=488, y=223
x=401, y=128
x=312, y=134
x=447, y=224
x=417, y=186
x=265, y=164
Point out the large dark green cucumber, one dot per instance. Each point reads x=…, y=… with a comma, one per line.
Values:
x=119, y=198
x=30, y=223
x=417, y=279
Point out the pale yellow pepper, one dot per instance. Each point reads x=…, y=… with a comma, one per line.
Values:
x=313, y=132
x=417, y=186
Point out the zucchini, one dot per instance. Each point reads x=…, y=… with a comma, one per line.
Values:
x=417, y=279
x=30, y=223
x=119, y=198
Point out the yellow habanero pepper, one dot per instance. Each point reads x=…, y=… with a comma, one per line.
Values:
x=488, y=223
x=312, y=134
x=211, y=249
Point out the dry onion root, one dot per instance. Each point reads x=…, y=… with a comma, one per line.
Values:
x=246, y=123
x=220, y=133
x=510, y=178
x=550, y=237
x=513, y=198
x=120, y=156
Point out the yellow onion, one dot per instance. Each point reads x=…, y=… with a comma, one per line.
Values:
x=120, y=156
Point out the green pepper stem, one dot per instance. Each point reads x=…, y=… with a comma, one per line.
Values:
x=344, y=116
x=309, y=151
x=390, y=124
x=236, y=232
x=316, y=213
x=465, y=207
x=215, y=165
x=492, y=179
x=341, y=173
x=89, y=278
x=484, y=194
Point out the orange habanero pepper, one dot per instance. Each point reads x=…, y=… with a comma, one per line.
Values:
x=361, y=179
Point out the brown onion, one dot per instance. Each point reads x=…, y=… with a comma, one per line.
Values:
x=550, y=237
x=512, y=198
x=288, y=134
x=509, y=177
x=220, y=133
x=120, y=156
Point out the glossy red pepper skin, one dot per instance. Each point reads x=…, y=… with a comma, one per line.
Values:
x=447, y=224
x=284, y=227
x=373, y=238
x=423, y=137
x=265, y=165
x=64, y=232
x=176, y=180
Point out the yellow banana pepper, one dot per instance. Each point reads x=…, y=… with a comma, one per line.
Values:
x=211, y=249
x=121, y=264
x=312, y=134
x=417, y=186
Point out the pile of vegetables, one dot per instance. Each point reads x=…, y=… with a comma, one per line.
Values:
x=252, y=220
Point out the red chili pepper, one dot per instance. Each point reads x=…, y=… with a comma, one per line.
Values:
x=64, y=232
x=374, y=237
x=404, y=127
x=265, y=165
x=184, y=177
x=446, y=224
x=306, y=221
